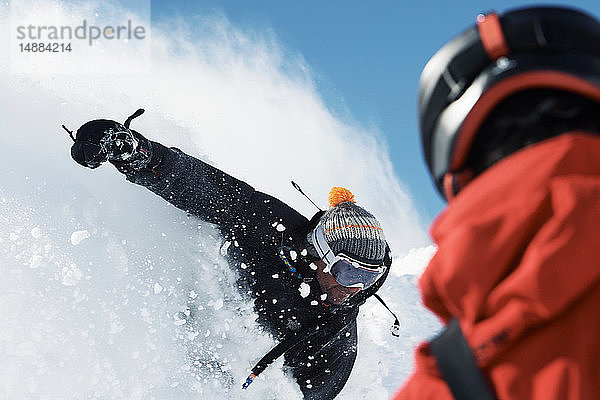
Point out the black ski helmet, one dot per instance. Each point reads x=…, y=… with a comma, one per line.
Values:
x=530, y=48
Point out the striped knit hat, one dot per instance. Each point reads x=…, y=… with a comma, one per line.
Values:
x=352, y=230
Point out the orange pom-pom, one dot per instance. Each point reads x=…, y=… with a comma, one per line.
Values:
x=338, y=195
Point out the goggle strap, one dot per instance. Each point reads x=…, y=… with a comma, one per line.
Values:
x=323, y=249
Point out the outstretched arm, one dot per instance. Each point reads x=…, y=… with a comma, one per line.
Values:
x=184, y=181
x=190, y=184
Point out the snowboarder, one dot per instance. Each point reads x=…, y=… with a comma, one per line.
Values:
x=307, y=278
x=509, y=114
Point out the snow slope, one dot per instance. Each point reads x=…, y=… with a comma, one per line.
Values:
x=109, y=292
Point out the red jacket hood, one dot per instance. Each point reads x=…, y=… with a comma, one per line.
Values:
x=517, y=249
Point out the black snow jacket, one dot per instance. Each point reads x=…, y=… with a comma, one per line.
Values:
x=266, y=242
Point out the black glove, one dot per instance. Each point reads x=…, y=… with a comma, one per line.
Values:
x=104, y=140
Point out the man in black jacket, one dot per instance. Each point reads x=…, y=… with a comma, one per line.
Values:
x=307, y=278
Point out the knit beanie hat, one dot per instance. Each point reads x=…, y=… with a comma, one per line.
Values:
x=352, y=230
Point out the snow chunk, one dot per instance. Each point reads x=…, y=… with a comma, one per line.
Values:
x=191, y=335
x=79, y=236
x=243, y=266
x=225, y=247
x=36, y=233
x=304, y=252
x=217, y=304
x=275, y=276
x=35, y=261
x=415, y=262
x=324, y=296
x=157, y=288
x=314, y=303
x=313, y=266
x=179, y=319
x=115, y=327
x=304, y=289
x=280, y=228
x=293, y=255
x=71, y=275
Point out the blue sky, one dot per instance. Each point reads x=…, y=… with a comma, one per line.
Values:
x=366, y=58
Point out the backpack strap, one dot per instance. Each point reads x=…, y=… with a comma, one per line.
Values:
x=457, y=365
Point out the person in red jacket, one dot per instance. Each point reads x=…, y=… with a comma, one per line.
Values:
x=510, y=125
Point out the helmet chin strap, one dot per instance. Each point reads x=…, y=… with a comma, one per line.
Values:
x=454, y=182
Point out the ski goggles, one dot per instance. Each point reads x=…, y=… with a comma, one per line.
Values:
x=346, y=271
